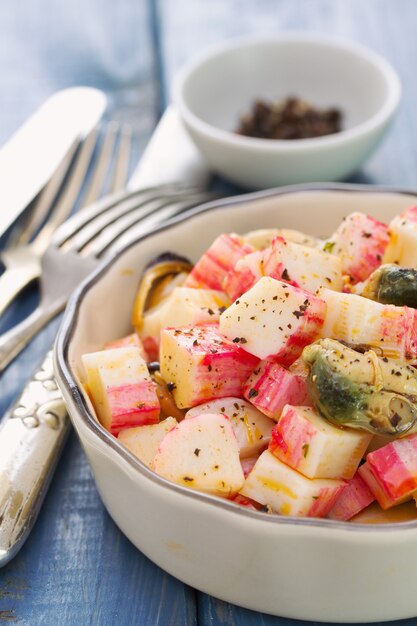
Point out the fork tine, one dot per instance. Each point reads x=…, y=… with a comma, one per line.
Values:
x=147, y=215
x=166, y=213
x=102, y=165
x=69, y=194
x=110, y=208
x=121, y=170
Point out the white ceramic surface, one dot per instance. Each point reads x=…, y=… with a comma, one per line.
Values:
x=300, y=568
x=213, y=91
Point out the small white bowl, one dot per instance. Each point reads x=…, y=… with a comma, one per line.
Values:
x=302, y=568
x=215, y=90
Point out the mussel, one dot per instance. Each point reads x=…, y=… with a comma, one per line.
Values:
x=391, y=284
x=361, y=390
x=159, y=278
x=166, y=399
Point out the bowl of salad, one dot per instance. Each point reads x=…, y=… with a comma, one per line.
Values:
x=243, y=383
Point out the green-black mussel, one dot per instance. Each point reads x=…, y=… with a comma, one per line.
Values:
x=361, y=390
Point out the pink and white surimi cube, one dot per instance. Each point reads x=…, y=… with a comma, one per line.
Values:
x=302, y=266
x=130, y=340
x=247, y=271
x=298, y=265
x=202, y=365
x=355, y=497
x=121, y=388
x=242, y=501
x=360, y=242
x=274, y=320
x=270, y=387
x=402, y=247
x=357, y=320
x=251, y=427
x=391, y=472
x=288, y=492
x=311, y=445
x=201, y=453
x=210, y=271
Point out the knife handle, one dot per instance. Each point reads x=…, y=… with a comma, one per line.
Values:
x=32, y=435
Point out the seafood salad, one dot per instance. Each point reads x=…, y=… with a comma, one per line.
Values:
x=278, y=371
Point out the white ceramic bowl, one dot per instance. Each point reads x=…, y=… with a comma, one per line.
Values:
x=301, y=568
x=212, y=92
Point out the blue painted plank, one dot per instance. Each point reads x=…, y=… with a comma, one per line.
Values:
x=78, y=568
x=214, y=612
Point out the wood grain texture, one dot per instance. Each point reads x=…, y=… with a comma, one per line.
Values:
x=78, y=568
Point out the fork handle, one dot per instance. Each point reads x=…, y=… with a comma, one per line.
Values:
x=14, y=340
x=32, y=435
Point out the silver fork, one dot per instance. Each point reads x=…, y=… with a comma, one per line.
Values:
x=78, y=245
x=22, y=257
x=33, y=432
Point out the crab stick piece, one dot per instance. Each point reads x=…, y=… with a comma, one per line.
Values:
x=288, y=492
x=270, y=387
x=274, y=321
x=313, y=446
x=121, y=389
x=355, y=497
x=391, y=472
x=209, y=272
x=199, y=364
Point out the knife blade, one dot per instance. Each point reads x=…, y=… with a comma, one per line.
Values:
x=33, y=432
x=33, y=153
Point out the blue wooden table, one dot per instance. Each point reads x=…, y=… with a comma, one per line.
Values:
x=77, y=567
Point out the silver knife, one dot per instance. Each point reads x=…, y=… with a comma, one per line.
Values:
x=34, y=431
x=31, y=156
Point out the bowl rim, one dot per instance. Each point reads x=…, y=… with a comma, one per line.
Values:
x=382, y=115
x=67, y=381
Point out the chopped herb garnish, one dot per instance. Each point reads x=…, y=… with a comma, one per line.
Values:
x=328, y=246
